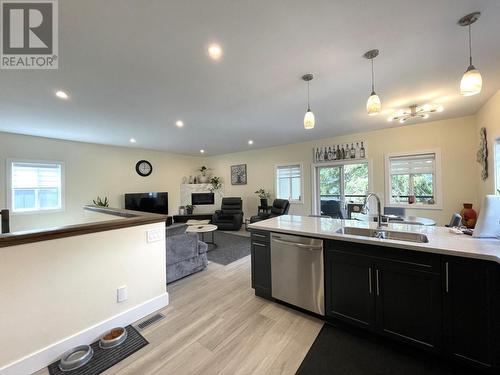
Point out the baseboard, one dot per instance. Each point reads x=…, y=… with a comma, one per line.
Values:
x=42, y=358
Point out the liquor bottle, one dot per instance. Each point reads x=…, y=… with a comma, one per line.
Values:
x=353, y=151
x=347, y=151
x=339, y=153
x=321, y=156
x=357, y=149
x=334, y=154
x=316, y=157
x=362, y=151
x=342, y=152
x=326, y=154
x=330, y=153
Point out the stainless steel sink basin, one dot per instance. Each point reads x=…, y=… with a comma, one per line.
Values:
x=385, y=234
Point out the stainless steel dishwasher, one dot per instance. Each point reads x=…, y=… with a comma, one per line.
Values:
x=297, y=272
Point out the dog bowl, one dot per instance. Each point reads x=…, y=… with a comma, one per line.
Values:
x=113, y=338
x=76, y=358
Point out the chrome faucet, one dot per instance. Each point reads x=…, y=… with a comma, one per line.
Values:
x=379, y=213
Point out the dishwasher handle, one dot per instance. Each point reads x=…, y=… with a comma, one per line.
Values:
x=297, y=244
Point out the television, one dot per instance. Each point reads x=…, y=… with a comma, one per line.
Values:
x=156, y=203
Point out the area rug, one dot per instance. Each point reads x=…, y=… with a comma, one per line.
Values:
x=229, y=248
x=337, y=351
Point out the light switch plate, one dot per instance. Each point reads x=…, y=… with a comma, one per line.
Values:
x=121, y=293
x=154, y=235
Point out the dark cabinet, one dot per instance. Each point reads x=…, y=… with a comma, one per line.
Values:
x=408, y=303
x=349, y=288
x=397, y=298
x=471, y=313
x=261, y=263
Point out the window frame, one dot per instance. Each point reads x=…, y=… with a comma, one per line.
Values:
x=496, y=168
x=8, y=179
x=316, y=201
x=437, y=180
x=301, y=165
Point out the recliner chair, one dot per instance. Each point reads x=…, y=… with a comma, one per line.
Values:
x=230, y=216
x=279, y=207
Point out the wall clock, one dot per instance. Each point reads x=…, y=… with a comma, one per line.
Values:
x=143, y=168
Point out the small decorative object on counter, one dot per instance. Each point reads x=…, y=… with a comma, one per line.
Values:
x=469, y=216
x=100, y=202
x=264, y=196
x=190, y=181
x=190, y=209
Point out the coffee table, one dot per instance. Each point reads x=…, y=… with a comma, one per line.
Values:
x=202, y=230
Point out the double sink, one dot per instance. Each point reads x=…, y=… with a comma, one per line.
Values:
x=385, y=234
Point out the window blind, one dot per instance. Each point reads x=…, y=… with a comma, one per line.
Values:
x=289, y=171
x=414, y=164
x=34, y=176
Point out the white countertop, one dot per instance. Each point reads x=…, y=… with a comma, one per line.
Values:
x=441, y=241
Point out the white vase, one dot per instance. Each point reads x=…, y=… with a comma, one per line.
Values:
x=203, y=179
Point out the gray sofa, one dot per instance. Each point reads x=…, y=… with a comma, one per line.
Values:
x=185, y=253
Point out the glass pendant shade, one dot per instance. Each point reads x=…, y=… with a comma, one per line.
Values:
x=373, y=105
x=471, y=82
x=309, y=120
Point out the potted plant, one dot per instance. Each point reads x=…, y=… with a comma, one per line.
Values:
x=264, y=196
x=216, y=184
x=101, y=203
x=189, y=209
x=203, y=178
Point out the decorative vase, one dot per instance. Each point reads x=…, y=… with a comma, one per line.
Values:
x=203, y=179
x=263, y=202
x=469, y=216
x=190, y=181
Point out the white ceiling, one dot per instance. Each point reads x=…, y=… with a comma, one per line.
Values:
x=132, y=68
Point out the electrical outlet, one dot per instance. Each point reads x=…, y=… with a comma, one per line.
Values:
x=121, y=293
x=155, y=235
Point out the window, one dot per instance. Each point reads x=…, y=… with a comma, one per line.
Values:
x=345, y=182
x=497, y=166
x=413, y=180
x=35, y=186
x=289, y=182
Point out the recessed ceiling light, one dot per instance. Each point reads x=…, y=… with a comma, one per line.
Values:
x=250, y=142
x=62, y=94
x=179, y=124
x=202, y=151
x=132, y=140
x=214, y=51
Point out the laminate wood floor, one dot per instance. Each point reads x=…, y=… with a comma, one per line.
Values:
x=216, y=325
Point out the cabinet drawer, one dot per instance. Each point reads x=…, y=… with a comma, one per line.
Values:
x=260, y=236
x=416, y=260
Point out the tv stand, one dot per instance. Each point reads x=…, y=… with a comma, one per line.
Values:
x=186, y=217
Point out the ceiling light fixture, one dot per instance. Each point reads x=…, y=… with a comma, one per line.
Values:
x=202, y=151
x=179, y=124
x=214, y=51
x=250, y=142
x=62, y=94
x=309, y=119
x=471, y=82
x=415, y=111
x=373, y=104
x=132, y=140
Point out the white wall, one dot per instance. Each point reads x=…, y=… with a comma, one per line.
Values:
x=455, y=138
x=489, y=117
x=52, y=290
x=93, y=170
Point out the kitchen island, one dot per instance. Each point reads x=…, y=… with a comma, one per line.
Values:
x=423, y=286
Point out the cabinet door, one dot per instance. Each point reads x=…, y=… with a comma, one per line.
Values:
x=261, y=268
x=408, y=303
x=349, y=288
x=468, y=300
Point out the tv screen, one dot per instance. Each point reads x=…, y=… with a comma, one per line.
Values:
x=156, y=203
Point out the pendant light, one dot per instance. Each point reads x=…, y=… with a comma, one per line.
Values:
x=471, y=82
x=373, y=104
x=309, y=120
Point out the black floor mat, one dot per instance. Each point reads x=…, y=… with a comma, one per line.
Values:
x=339, y=351
x=104, y=359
